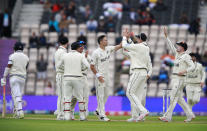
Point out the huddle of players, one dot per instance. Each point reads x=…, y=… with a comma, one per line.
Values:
x=72, y=85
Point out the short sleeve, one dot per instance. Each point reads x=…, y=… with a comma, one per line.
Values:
x=94, y=58
x=111, y=48
x=11, y=60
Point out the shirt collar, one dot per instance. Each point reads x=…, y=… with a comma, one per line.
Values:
x=144, y=43
x=74, y=51
x=19, y=51
x=61, y=47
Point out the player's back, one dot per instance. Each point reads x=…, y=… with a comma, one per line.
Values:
x=73, y=64
x=19, y=63
x=140, y=56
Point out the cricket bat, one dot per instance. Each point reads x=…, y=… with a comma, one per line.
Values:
x=4, y=102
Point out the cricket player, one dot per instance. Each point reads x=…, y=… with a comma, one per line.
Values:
x=73, y=81
x=182, y=65
x=99, y=66
x=16, y=69
x=59, y=75
x=140, y=62
x=86, y=90
x=139, y=39
x=195, y=82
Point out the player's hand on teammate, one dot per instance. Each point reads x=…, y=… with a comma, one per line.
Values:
x=101, y=79
x=86, y=54
x=202, y=84
x=3, y=81
x=182, y=73
x=148, y=77
x=165, y=32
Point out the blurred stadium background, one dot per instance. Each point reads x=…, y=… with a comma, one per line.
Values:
x=40, y=23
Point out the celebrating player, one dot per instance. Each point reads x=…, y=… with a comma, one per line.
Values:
x=182, y=65
x=140, y=62
x=73, y=81
x=195, y=82
x=99, y=66
x=16, y=68
x=138, y=39
x=59, y=75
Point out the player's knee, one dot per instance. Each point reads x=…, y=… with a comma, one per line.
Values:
x=190, y=101
x=18, y=99
x=195, y=101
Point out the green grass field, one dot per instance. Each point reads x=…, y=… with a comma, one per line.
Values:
x=117, y=123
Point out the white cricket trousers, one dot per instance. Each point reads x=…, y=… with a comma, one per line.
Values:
x=74, y=87
x=85, y=97
x=142, y=97
x=86, y=92
x=176, y=96
x=102, y=94
x=136, y=85
x=193, y=94
x=17, y=85
x=60, y=100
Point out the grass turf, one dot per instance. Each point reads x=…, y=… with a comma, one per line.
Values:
x=118, y=123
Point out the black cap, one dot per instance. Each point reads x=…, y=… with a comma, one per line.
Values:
x=76, y=45
x=192, y=54
x=142, y=36
x=183, y=44
x=18, y=46
x=63, y=40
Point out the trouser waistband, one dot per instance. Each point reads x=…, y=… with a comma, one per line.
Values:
x=21, y=76
x=176, y=74
x=72, y=76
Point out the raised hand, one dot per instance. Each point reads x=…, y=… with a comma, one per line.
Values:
x=165, y=32
x=126, y=33
x=132, y=34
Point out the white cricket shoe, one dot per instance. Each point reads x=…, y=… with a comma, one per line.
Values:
x=83, y=119
x=164, y=119
x=20, y=114
x=56, y=112
x=131, y=120
x=189, y=119
x=104, y=119
x=142, y=116
x=60, y=117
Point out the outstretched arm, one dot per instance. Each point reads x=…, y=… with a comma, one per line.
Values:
x=117, y=47
x=170, y=44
